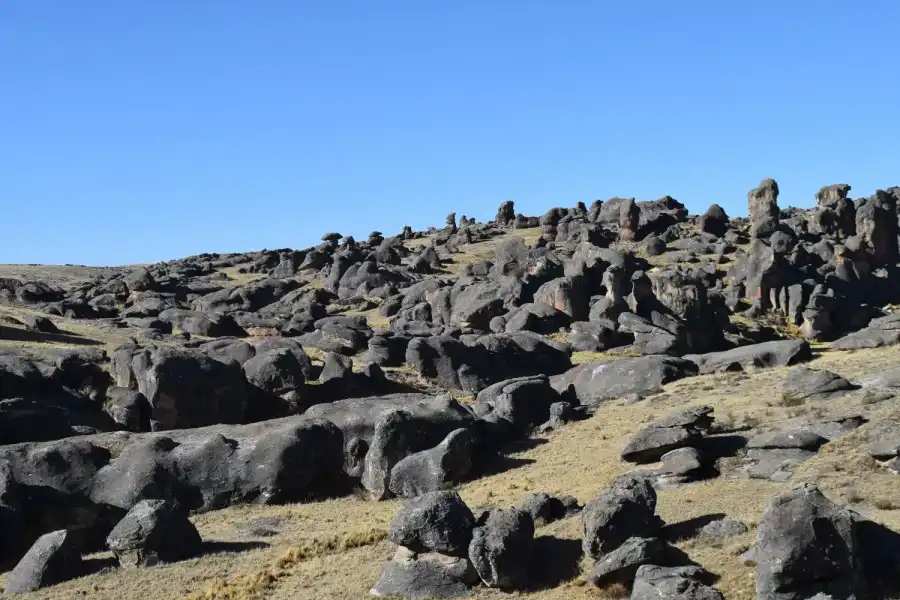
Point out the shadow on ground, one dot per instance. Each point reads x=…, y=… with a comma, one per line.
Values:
x=218, y=547
x=556, y=562
x=690, y=528
x=23, y=335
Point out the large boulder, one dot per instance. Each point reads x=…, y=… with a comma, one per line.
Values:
x=436, y=416
x=435, y=469
x=625, y=510
x=49, y=484
x=803, y=384
x=434, y=522
x=883, y=331
x=763, y=204
x=807, y=545
x=568, y=295
x=780, y=353
x=19, y=378
x=275, y=372
x=502, y=548
x=653, y=582
x=129, y=409
x=425, y=576
x=397, y=435
x=621, y=564
x=185, y=388
x=876, y=224
x=154, y=531
x=678, y=430
x=273, y=462
x=227, y=350
x=599, y=381
x=523, y=402
x=474, y=365
x=714, y=221
x=200, y=323
x=54, y=558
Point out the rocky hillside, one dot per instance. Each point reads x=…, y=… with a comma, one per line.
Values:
x=621, y=400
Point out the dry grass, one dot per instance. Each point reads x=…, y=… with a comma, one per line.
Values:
x=335, y=549
x=73, y=333
x=255, y=586
x=235, y=277
x=580, y=358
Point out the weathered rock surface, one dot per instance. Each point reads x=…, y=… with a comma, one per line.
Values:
x=596, y=382
x=502, y=549
x=154, y=531
x=53, y=558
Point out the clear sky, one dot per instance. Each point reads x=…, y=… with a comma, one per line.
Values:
x=142, y=131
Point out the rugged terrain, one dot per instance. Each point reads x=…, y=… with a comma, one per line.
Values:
x=688, y=390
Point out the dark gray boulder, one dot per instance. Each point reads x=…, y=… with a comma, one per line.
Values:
x=568, y=295
x=275, y=372
x=436, y=416
x=129, y=408
x=876, y=225
x=434, y=522
x=724, y=528
x=625, y=510
x=52, y=559
x=19, y=378
x=599, y=381
x=185, y=388
x=650, y=444
x=763, y=204
x=435, y=469
x=810, y=384
x=154, y=531
x=621, y=564
x=523, y=402
x=502, y=549
x=653, y=582
x=537, y=317
x=396, y=436
x=269, y=343
x=422, y=576
x=794, y=439
x=228, y=350
x=39, y=323
x=778, y=353
x=335, y=366
x=714, y=221
x=472, y=365
x=200, y=323
x=677, y=430
x=273, y=462
x=883, y=331
x=807, y=545
x=682, y=461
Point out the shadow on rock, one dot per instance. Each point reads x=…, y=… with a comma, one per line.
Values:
x=715, y=447
x=881, y=547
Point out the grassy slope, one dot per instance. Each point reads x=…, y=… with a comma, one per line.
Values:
x=335, y=549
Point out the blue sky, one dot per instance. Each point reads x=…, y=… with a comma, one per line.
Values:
x=143, y=131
